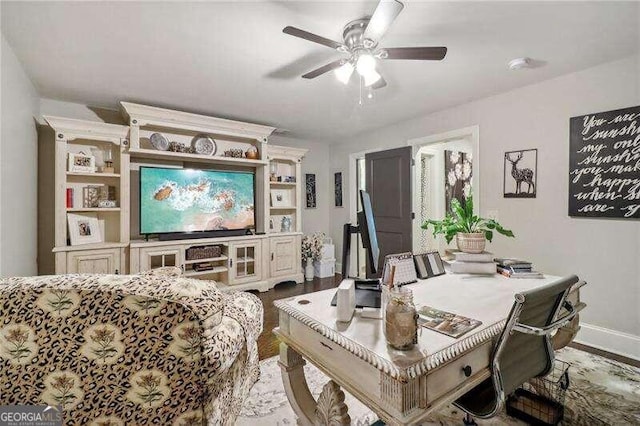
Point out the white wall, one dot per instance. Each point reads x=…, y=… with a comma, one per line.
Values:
x=18, y=169
x=80, y=111
x=604, y=252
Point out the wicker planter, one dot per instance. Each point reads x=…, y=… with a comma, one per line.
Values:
x=471, y=243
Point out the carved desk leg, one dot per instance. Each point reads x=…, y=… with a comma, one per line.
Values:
x=330, y=408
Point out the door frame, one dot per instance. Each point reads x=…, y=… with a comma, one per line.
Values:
x=353, y=206
x=472, y=134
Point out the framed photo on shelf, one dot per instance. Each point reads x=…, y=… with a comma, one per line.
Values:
x=84, y=229
x=280, y=198
x=91, y=196
x=81, y=162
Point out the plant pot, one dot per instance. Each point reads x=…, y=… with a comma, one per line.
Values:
x=471, y=243
x=308, y=270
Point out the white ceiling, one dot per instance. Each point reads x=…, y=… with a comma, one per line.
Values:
x=231, y=59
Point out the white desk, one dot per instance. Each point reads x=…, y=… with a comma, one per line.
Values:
x=402, y=387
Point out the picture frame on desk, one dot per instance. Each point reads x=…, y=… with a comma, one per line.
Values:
x=84, y=229
x=429, y=265
x=405, y=271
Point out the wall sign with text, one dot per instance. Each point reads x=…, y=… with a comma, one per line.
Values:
x=604, y=164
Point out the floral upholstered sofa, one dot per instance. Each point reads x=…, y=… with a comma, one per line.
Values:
x=153, y=348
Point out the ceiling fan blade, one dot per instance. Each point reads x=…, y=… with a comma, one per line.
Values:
x=297, y=32
x=384, y=15
x=419, y=53
x=326, y=68
x=379, y=84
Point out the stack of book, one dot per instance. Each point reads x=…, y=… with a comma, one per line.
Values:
x=471, y=263
x=516, y=268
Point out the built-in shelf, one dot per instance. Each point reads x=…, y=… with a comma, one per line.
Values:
x=274, y=183
x=284, y=208
x=93, y=209
x=93, y=246
x=210, y=259
x=216, y=270
x=181, y=156
x=96, y=174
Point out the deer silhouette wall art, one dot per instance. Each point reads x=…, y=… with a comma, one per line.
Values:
x=521, y=175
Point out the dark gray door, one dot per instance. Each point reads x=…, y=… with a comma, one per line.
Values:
x=388, y=182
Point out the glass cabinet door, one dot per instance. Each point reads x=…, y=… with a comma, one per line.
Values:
x=244, y=262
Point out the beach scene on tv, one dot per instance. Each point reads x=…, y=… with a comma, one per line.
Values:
x=186, y=200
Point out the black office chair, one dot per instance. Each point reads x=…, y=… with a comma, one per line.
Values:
x=523, y=350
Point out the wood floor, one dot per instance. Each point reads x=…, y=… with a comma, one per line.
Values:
x=268, y=343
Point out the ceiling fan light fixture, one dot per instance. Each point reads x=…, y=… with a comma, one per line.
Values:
x=343, y=74
x=366, y=64
x=371, y=78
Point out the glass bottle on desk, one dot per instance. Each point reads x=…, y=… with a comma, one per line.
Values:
x=400, y=318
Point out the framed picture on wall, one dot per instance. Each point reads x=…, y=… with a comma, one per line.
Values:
x=458, y=175
x=337, y=186
x=520, y=173
x=310, y=185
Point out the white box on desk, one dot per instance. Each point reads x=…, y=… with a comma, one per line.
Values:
x=324, y=268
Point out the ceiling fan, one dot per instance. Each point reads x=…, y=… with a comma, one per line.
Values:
x=360, y=42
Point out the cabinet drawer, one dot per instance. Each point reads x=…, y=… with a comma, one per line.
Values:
x=334, y=358
x=450, y=376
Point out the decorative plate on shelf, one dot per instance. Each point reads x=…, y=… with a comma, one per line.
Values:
x=159, y=141
x=204, y=145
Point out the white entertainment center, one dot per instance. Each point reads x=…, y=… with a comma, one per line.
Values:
x=259, y=259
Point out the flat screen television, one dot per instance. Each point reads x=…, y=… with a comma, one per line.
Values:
x=190, y=200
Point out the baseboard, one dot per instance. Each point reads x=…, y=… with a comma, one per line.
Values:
x=609, y=340
x=338, y=268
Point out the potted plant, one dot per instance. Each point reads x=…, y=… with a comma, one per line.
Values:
x=471, y=231
x=311, y=250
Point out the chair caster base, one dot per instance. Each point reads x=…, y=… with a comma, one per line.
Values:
x=468, y=421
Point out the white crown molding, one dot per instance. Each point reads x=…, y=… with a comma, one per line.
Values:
x=71, y=128
x=278, y=151
x=140, y=115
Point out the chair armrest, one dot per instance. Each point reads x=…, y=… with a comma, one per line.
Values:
x=561, y=322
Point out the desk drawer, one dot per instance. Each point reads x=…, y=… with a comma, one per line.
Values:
x=341, y=363
x=448, y=377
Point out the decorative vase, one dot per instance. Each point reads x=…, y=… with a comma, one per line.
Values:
x=252, y=153
x=308, y=270
x=471, y=243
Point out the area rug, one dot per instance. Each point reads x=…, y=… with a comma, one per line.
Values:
x=601, y=392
